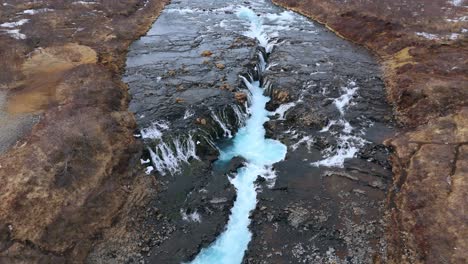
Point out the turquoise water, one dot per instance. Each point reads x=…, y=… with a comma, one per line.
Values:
x=260, y=153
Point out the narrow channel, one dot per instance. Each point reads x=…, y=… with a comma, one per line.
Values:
x=260, y=153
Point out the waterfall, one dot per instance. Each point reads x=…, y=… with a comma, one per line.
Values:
x=188, y=113
x=222, y=124
x=260, y=153
x=168, y=157
x=154, y=131
x=240, y=115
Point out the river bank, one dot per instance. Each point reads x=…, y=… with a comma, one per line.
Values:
x=72, y=179
x=423, y=49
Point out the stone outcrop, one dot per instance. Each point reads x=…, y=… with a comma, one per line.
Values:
x=423, y=49
x=73, y=178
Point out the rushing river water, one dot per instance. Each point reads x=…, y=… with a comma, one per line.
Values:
x=260, y=153
x=310, y=133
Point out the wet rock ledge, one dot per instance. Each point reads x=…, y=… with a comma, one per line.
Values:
x=424, y=51
x=71, y=181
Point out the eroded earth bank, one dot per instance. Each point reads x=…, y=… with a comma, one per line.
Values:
x=72, y=180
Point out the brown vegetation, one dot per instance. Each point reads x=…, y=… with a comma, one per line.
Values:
x=73, y=177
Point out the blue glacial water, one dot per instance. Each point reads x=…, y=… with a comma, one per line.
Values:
x=261, y=153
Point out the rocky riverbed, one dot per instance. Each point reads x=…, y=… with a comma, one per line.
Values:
x=328, y=106
x=423, y=47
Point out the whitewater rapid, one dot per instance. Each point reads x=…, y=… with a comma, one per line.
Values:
x=261, y=153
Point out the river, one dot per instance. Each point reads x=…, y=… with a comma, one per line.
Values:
x=313, y=173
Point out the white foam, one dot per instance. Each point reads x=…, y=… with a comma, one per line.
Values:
x=284, y=18
x=347, y=146
x=226, y=130
x=188, y=113
x=182, y=11
x=155, y=130
x=260, y=153
x=241, y=117
x=306, y=139
x=256, y=29
x=168, y=157
x=344, y=100
x=269, y=175
x=282, y=109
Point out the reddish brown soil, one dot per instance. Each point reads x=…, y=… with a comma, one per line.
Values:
x=427, y=83
x=72, y=180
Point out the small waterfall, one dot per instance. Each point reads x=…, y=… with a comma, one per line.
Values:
x=168, y=157
x=281, y=110
x=155, y=130
x=260, y=153
x=223, y=125
x=188, y=113
x=223, y=119
x=241, y=117
x=262, y=62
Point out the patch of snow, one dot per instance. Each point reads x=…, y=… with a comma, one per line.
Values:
x=458, y=19
x=456, y=2
x=149, y=169
x=36, y=11
x=193, y=217
x=84, y=3
x=454, y=36
x=14, y=24
x=427, y=35
x=15, y=33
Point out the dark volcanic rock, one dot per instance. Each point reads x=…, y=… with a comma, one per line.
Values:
x=426, y=82
x=184, y=81
x=235, y=164
x=330, y=213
